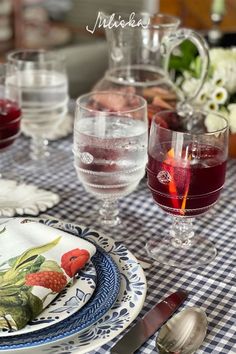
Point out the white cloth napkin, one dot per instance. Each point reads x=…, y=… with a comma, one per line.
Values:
x=36, y=263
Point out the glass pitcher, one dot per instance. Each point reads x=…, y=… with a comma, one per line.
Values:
x=139, y=53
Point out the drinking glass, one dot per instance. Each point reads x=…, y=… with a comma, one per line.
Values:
x=10, y=116
x=186, y=171
x=110, y=147
x=44, y=93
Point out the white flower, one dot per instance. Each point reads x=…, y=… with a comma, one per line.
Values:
x=213, y=123
x=211, y=106
x=218, y=80
x=202, y=97
x=220, y=95
x=232, y=117
x=205, y=93
x=189, y=86
x=208, y=86
x=217, y=54
x=186, y=74
x=223, y=62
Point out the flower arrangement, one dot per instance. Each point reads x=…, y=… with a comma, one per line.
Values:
x=218, y=93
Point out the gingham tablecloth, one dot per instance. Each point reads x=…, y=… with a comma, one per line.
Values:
x=212, y=287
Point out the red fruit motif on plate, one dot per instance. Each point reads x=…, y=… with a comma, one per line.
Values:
x=74, y=260
x=56, y=281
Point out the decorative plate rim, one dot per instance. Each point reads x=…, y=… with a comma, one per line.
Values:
x=121, y=314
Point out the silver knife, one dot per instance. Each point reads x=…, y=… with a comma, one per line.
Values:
x=149, y=324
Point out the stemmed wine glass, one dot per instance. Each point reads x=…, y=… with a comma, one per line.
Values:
x=44, y=93
x=186, y=172
x=110, y=147
x=10, y=118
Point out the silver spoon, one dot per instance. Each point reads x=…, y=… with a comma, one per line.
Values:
x=183, y=333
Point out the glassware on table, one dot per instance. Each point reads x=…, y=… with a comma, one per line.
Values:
x=10, y=118
x=186, y=172
x=137, y=54
x=110, y=147
x=43, y=82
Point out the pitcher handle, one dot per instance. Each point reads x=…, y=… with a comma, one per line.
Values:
x=173, y=40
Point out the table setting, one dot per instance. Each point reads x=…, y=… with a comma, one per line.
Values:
x=118, y=237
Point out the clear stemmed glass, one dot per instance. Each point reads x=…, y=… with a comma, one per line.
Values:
x=110, y=147
x=10, y=118
x=43, y=82
x=186, y=172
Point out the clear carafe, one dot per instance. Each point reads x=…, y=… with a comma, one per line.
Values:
x=139, y=53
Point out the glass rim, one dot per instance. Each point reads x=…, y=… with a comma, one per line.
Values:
x=226, y=127
x=49, y=56
x=174, y=21
x=80, y=98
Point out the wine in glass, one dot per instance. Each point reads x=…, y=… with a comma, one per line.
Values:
x=10, y=118
x=44, y=93
x=186, y=173
x=110, y=147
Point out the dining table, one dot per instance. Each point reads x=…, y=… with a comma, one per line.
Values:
x=211, y=287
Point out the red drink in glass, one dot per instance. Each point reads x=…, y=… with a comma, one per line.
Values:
x=188, y=186
x=10, y=115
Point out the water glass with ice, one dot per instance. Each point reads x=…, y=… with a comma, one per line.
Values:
x=43, y=81
x=110, y=147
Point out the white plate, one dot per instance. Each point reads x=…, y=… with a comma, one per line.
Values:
x=70, y=300
x=20, y=198
x=127, y=307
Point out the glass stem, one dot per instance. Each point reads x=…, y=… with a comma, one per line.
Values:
x=109, y=213
x=39, y=148
x=182, y=231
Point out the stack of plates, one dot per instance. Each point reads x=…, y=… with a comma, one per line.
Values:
x=107, y=296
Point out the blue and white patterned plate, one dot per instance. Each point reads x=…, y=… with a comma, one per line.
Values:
x=70, y=300
x=126, y=308
x=104, y=296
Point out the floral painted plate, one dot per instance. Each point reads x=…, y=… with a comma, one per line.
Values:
x=104, y=296
x=70, y=300
x=126, y=308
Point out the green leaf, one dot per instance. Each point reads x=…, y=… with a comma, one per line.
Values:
x=33, y=252
x=183, y=60
x=8, y=291
x=37, y=264
x=10, y=262
x=4, y=229
x=24, y=261
x=50, y=265
x=35, y=303
x=22, y=308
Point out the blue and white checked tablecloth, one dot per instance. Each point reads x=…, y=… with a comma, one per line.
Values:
x=211, y=287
